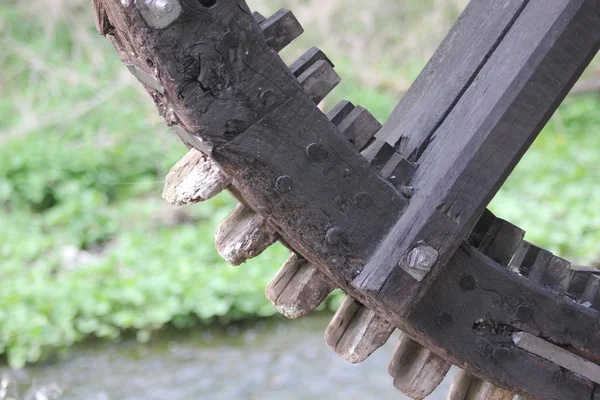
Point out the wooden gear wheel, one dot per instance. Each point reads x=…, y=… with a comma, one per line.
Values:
x=394, y=215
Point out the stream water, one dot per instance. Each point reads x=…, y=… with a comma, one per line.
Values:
x=262, y=360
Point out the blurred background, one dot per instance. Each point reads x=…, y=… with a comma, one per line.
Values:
x=107, y=292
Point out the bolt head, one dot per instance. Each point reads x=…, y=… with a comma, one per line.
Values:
x=333, y=235
x=126, y=3
x=363, y=200
x=315, y=152
x=284, y=184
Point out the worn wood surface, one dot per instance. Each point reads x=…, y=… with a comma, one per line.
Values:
x=514, y=94
x=298, y=288
x=194, y=179
x=417, y=372
x=355, y=332
x=243, y=235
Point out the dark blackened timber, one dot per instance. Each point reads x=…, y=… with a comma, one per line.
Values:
x=498, y=117
x=591, y=294
x=319, y=80
x=449, y=73
x=359, y=126
x=340, y=111
x=306, y=60
x=378, y=153
x=258, y=17
x=399, y=170
x=577, y=280
x=281, y=29
x=494, y=303
x=542, y=267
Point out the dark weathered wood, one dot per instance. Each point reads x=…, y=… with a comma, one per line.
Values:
x=194, y=179
x=449, y=73
x=298, y=288
x=243, y=235
x=498, y=117
x=307, y=60
x=417, y=372
x=258, y=17
x=465, y=387
x=359, y=126
x=319, y=80
x=398, y=170
x=355, y=332
x=281, y=29
x=378, y=153
x=578, y=277
x=591, y=294
x=340, y=111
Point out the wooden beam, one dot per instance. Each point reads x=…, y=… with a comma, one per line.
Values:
x=514, y=94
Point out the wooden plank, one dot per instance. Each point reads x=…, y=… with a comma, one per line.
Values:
x=194, y=179
x=449, y=73
x=417, y=372
x=281, y=29
x=557, y=355
x=306, y=60
x=243, y=235
x=319, y=80
x=298, y=288
x=355, y=332
x=498, y=117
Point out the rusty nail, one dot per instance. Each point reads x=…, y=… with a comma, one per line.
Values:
x=284, y=184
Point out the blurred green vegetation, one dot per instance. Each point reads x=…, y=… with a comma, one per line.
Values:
x=88, y=248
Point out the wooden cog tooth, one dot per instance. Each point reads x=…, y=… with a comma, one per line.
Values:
x=307, y=60
x=591, y=294
x=465, y=387
x=281, y=29
x=298, y=288
x=399, y=170
x=417, y=372
x=319, y=80
x=355, y=332
x=577, y=280
x=243, y=235
x=359, y=126
x=340, y=111
x=258, y=17
x=378, y=153
x=194, y=179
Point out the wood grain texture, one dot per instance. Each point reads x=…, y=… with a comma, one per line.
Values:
x=355, y=332
x=451, y=70
x=319, y=80
x=298, y=288
x=498, y=117
x=243, y=235
x=359, y=126
x=307, y=60
x=417, y=372
x=281, y=29
x=194, y=179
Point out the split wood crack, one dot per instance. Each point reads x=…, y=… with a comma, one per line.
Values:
x=395, y=215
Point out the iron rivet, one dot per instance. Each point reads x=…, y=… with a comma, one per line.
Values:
x=445, y=319
x=234, y=126
x=524, y=313
x=363, y=200
x=467, y=282
x=284, y=184
x=579, y=338
x=333, y=235
x=268, y=97
x=126, y=3
x=315, y=152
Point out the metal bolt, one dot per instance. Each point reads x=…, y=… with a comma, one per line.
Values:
x=363, y=200
x=333, y=235
x=268, y=97
x=126, y=3
x=419, y=261
x=284, y=184
x=315, y=152
x=159, y=14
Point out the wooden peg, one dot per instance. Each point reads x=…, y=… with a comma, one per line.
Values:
x=319, y=80
x=298, y=288
x=355, y=332
x=194, y=179
x=281, y=29
x=307, y=60
x=243, y=235
x=417, y=372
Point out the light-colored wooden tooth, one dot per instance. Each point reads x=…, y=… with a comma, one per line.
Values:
x=355, y=332
x=243, y=235
x=417, y=372
x=319, y=80
x=281, y=29
x=298, y=288
x=466, y=387
x=194, y=179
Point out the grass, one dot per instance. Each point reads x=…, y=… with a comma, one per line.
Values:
x=88, y=248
